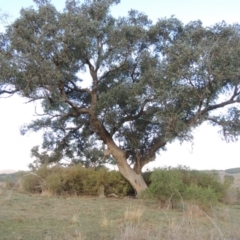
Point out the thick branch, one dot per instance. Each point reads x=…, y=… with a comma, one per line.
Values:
x=214, y=107
x=133, y=117
x=78, y=110
x=99, y=129
x=93, y=73
x=99, y=52
x=149, y=156
x=8, y=92
x=76, y=88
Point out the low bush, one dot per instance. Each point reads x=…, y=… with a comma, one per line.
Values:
x=114, y=182
x=173, y=184
x=76, y=180
x=79, y=180
x=203, y=197
x=53, y=183
x=166, y=185
x=31, y=183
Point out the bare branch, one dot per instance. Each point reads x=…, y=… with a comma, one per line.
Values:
x=76, y=88
x=134, y=117
x=9, y=92
x=78, y=110
x=213, y=107
x=150, y=154
x=35, y=99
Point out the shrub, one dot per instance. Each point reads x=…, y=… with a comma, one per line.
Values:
x=146, y=177
x=205, y=179
x=203, y=197
x=197, y=186
x=166, y=184
x=114, y=182
x=53, y=183
x=91, y=182
x=79, y=180
x=32, y=183
x=44, y=171
x=76, y=180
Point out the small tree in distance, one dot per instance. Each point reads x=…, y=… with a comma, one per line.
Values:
x=147, y=84
x=92, y=156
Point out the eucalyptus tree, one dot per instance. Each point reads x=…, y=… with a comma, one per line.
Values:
x=131, y=84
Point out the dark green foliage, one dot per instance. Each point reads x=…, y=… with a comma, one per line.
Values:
x=146, y=177
x=91, y=156
x=76, y=180
x=115, y=183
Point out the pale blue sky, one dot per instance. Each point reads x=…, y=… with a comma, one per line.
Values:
x=207, y=150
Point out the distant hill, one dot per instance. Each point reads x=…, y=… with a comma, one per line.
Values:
x=11, y=177
x=232, y=170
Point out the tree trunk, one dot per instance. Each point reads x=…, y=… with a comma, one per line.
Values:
x=135, y=179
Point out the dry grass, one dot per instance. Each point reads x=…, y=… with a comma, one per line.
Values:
x=132, y=232
x=79, y=235
x=104, y=220
x=3, y=185
x=193, y=211
x=6, y=195
x=133, y=214
x=46, y=193
x=193, y=223
x=27, y=216
x=75, y=219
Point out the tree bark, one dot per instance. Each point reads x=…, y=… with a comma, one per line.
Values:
x=134, y=178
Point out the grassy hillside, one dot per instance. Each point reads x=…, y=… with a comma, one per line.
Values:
x=27, y=216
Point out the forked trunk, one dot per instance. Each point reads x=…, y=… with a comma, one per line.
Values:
x=135, y=179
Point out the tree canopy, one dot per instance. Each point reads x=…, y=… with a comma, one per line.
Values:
x=130, y=83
